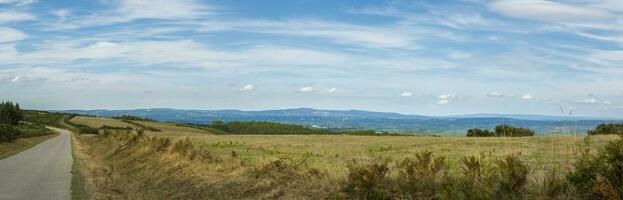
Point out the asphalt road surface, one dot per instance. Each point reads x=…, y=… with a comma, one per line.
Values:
x=41, y=172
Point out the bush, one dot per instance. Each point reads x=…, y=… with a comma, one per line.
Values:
x=367, y=181
x=513, y=176
x=419, y=177
x=600, y=176
x=7, y=133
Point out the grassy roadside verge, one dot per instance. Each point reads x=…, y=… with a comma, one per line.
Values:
x=78, y=168
x=78, y=190
x=21, y=144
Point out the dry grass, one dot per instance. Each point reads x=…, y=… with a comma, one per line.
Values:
x=11, y=148
x=185, y=163
x=167, y=129
x=97, y=122
x=332, y=153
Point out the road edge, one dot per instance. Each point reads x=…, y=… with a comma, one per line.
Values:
x=28, y=146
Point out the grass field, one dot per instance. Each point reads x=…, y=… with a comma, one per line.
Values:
x=166, y=129
x=191, y=163
x=333, y=153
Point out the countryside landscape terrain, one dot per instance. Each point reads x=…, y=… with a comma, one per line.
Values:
x=308, y=99
x=130, y=157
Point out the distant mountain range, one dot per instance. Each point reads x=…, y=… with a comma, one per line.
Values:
x=358, y=119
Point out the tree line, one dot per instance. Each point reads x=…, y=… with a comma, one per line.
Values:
x=500, y=131
x=275, y=128
x=604, y=129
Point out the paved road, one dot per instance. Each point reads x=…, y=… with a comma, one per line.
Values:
x=41, y=172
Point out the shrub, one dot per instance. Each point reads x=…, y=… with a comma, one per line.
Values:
x=367, y=181
x=476, y=182
x=513, y=176
x=419, y=177
x=7, y=133
x=600, y=176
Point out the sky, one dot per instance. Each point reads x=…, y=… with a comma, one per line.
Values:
x=413, y=57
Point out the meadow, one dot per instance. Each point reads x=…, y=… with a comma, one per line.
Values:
x=333, y=153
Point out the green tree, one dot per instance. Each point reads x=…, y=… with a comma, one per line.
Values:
x=10, y=113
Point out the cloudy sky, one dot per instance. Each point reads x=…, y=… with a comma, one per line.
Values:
x=415, y=57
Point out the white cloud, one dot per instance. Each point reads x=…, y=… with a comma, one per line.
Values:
x=9, y=35
x=608, y=103
x=129, y=10
x=369, y=36
x=459, y=55
x=62, y=14
x=447, y=96
x=161, y=9
x=35, y=75
x=527, y=97
x=406, y=94
x=15, y=16
x=495, y=94
x=18, y=2
x=307, y=89
x=332, y=90
x=549, y=11
x=590, y=100
x=247, y=87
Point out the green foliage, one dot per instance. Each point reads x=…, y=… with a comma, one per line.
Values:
x=476, y=132
x=367, y=181
x=603, y=129
x=7, y=133
x=32, y=130
x=419, y=177
x=600, y=176
x=43, y=117
x=510, y=131
x=10, y=113
x=513, y=177
x=500, y=131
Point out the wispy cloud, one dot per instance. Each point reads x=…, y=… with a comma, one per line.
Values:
x=496, y=94
x=527, y=97
x=406, y=94
x=247, y=87
x=15, y=16
x=9, y=34
x=306, y=89
x=17, y=2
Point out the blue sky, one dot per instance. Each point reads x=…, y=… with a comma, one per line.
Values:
x=415, y=57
